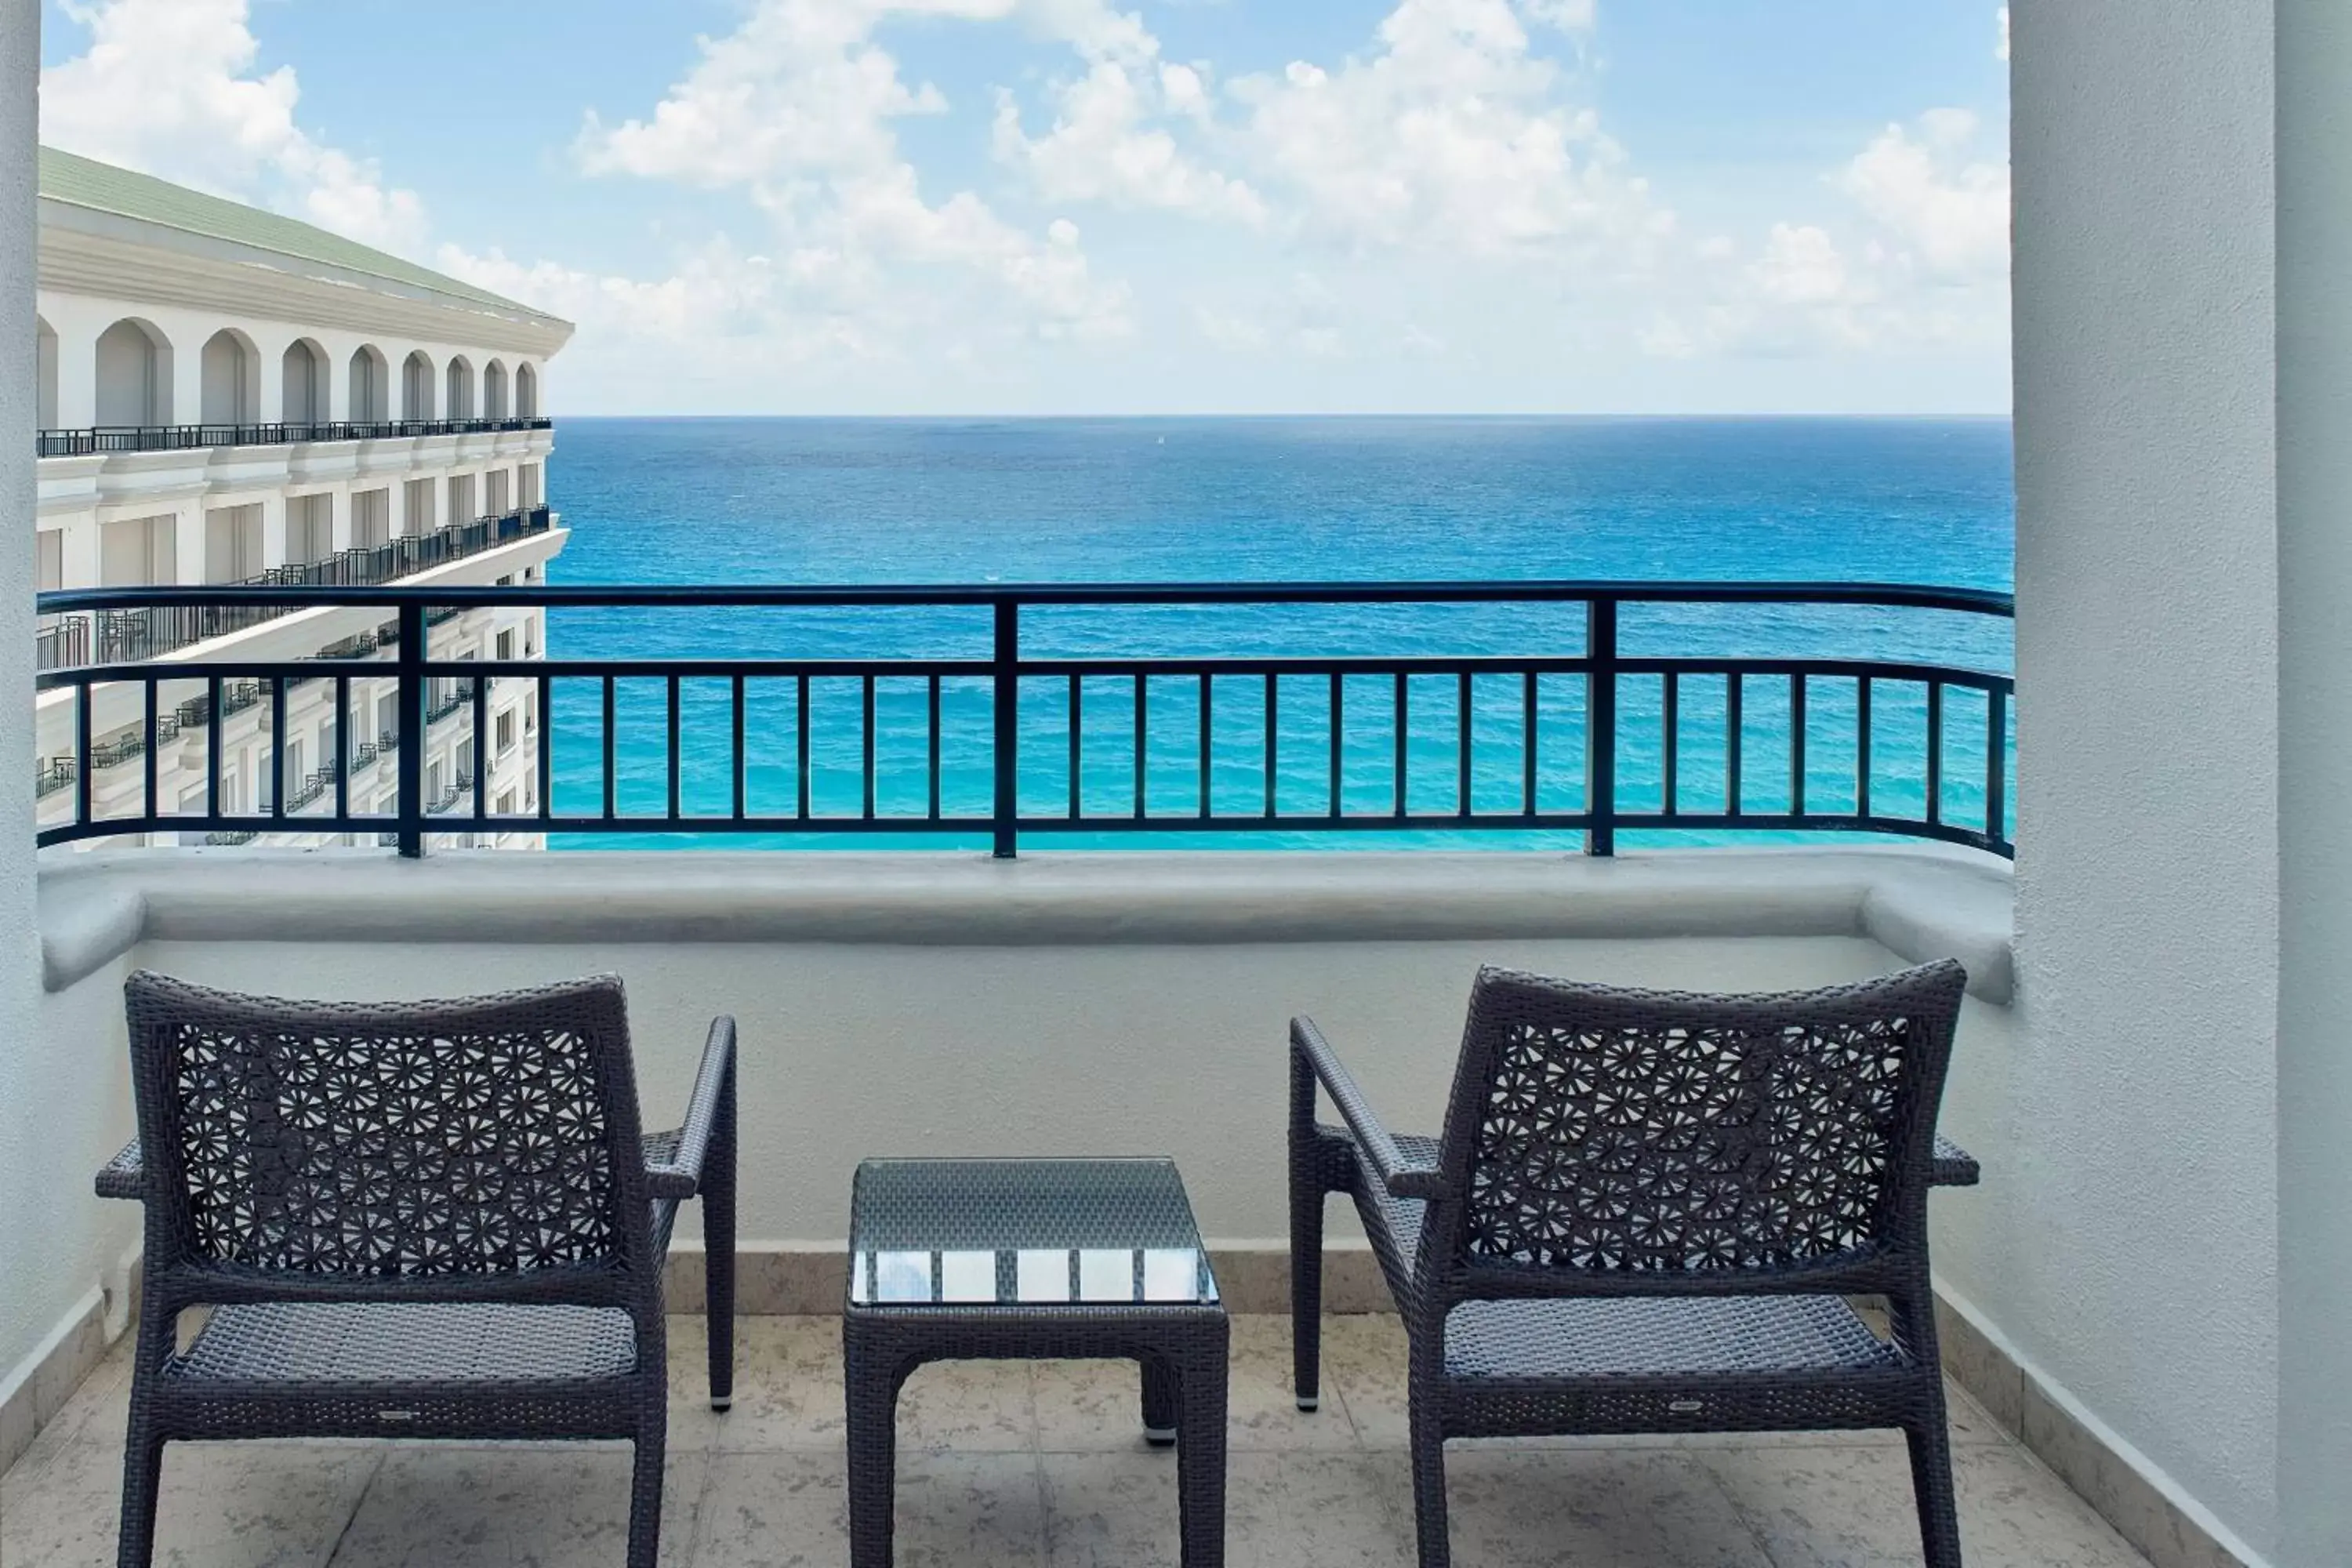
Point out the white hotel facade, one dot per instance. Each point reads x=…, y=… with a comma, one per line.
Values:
x=228, y=396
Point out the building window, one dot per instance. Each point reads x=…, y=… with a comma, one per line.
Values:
x=506, y=732
x=134, y=375
x=144, y=550
x=417, y=502
x=530, y=638
x=371, y=519
x=310, y=529
x=387, y=719
x=527, y=482
x=232, y=544
x=49, y=560
x=507, y=803
x=497, y=481
x=505, y=646
x=461, y=498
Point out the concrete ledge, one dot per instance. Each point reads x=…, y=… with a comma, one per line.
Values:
x=1920, y=902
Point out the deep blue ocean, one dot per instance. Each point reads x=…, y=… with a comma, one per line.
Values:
x=942, y=501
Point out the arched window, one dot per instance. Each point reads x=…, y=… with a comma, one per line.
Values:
x=134, y=374
x=306, y=383
x=460, y=401
x=231, y=379
x=45, y=351
x=526, y=392
x=370, y=385
x=416, y=386
x=494, y=391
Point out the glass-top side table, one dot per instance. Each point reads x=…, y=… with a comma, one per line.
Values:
x=1053, y=1259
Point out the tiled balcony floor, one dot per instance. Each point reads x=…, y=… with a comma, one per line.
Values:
x=1011, y=1463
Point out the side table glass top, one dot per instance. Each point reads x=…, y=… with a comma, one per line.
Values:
x=971, y=1233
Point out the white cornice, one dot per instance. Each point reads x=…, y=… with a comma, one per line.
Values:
x=76, y=262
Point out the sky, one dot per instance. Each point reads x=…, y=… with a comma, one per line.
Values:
x=1130, y=206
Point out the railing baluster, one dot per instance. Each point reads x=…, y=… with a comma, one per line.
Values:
x=214, y=730
x=1996, y=764
x=1735, y=740
x=1006, y=763
x=1671, y=743
x=1861, y=749
x=1142, y=745
x=611, y=753
x=278, y=750
x=1338, y=741
x=546, y=748
x=148, y=766
x=343, y=747
x=482, y=751
x=1600, y=724
x=1796, y=745
x=738, y=767
x=411, y=701
x=1078, y=743
x=933, y=749
x=1935, y=751
x=1273, y=737
x=1397, y=700
x=1530, y=730
x=677, y=761
x=1462, y=746
x=866, y=711
x=1207, y=688
x=83, y=791
x=801, y=748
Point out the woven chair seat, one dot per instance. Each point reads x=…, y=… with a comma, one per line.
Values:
x=1679, y=1337
x=408, y=1343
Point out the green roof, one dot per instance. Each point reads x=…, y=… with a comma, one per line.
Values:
x=101, y=187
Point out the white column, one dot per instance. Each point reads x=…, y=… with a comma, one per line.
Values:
x=2314, y=1087
x=2141, y=1204
x=273, y=530
x=44, y=1273
x=77, y=370
x=273, y=385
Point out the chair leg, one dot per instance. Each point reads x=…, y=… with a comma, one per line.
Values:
x=1160, y=1396
x=1428, y=1441
x=1201, y=1451
x=1307, y=1199
x=142, y=1478
x=645, y=1493
x=718, y=1247
x=1931, y=1484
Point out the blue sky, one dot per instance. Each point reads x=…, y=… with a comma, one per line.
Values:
x=1130, y=205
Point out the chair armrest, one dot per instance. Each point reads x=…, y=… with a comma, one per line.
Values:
x=125, y=1176
x=674, y=1160
x=1373, y=1141
x=1953, y=1166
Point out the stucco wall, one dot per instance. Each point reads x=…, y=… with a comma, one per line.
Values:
x=2147, y=636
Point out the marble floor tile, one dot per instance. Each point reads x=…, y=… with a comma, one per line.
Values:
x=1855, y=1509
x=1261, y=1404
x=223, y=1505
x=437, y=1505
x=1612, y=1508
x=1283, y=1508
x=788, y=1390
x=954, y=1510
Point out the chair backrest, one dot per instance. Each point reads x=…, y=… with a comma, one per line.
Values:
x=490, y=1137
x=1712, y=1139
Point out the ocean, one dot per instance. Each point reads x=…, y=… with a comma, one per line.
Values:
x=1103, y=500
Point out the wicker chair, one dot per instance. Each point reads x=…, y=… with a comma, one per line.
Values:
x=1645, y=1213
x=435, y=1219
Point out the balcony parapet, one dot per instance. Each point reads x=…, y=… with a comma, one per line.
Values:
x=1919, y=901
x=105, y=440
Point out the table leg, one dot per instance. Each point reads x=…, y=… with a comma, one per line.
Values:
x=1200, y=1449
x=1158, y=1403
x=872, y=1376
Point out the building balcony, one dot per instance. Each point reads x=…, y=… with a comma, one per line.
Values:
x=104, y=439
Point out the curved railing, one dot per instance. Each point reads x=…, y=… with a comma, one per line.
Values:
x=1588, y=725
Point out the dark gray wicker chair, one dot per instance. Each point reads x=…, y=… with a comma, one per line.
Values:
x=1645, y=1213
x=435, y=1219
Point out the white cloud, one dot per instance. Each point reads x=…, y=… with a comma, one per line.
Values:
x=1451, y=133
x=2000, y=50
x=169, y=87
x=1947, y=214
x=1101, y=149
x=796, y=107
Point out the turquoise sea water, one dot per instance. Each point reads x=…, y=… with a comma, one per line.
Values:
x=939, y=501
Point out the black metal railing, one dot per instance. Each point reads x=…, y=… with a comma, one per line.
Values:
x=1582, y=729
x=131, y=634
x=104, y=438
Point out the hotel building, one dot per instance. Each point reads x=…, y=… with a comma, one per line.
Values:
x=228, y=396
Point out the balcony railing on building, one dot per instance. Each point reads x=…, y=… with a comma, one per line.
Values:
x=150, y=631
x=1577, y=727
x=98, y=440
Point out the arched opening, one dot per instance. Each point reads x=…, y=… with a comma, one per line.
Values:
x=526, y=392
x=134, y=374
x=306, y=383
x=460, y=401
x=416, y=386
x=231, y=391
x=494, y=391
x=45, y=352
x=370, y=385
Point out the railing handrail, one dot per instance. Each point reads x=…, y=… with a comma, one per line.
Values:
x=733, y=596
x=97, y=440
